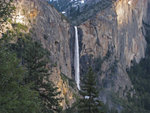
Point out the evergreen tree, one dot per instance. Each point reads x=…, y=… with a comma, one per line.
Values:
x=35, y=58
x=49, y=96
x=14, y=96
x=89, y=103
x=36, y=63
x=30, y=91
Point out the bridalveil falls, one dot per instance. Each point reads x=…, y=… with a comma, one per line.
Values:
x=76, y=59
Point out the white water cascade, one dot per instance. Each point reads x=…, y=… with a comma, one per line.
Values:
x=76, y=59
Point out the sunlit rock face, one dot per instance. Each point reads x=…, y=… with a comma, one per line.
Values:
x=67, y=92
x=50, y=28
x=25, y=13
x=116, y=36
x=19, y=19
x=130, y=15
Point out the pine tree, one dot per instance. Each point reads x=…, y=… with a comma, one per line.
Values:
x=14, y=96
x=51, y=103
x=36, y=63
x=19, y=92
x=89, y=103
x=35, y=58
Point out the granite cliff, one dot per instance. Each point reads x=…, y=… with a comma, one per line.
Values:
x=49, y=27
x=109, y=41
x=114, y=39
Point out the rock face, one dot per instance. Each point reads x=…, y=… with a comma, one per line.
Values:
x=109, y=42
x=147, y=16
x=52, y=30
x=114, y=36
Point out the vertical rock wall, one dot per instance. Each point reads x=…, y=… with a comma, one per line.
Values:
x=50, y=28
x=114, y=36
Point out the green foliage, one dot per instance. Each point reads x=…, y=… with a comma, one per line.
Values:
x=6, y=8
x=19, y=27
x=35, y=59
x=50, y=100
x=33, y=92
x=14, y=96
x=35, y=62
x=89, y=103
x=16, y=33
x=72, y=109
x=24, y=83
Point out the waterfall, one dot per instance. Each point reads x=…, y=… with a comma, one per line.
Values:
x=76, y=59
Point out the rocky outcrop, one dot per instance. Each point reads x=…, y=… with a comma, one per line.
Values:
x=115, y=36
